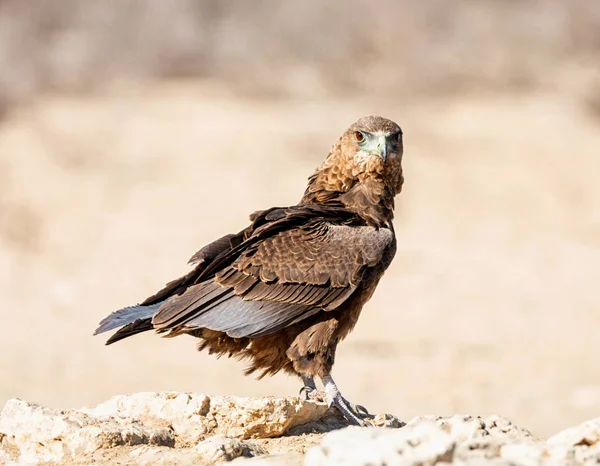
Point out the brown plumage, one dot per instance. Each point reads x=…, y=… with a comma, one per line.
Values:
x=284, y=291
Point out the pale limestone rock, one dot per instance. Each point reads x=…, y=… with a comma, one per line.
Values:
x=262, y=417
x=428, y=440
x=168, y=429
x=484, y=439
x=424, y=444
x=194, y=416
x=36, y=434
x=579, y=444
x=460, y=440
x=33, y=434
x=585, y=434
x=466, y=427
x=524, y=454
x=185, y=413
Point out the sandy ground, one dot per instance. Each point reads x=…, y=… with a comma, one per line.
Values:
x=491, y=305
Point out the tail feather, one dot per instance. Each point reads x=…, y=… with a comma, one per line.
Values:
x=137, y=326
x=133, y=319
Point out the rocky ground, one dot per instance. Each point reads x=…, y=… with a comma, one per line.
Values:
x=180, y=428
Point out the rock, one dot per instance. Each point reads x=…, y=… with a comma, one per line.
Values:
x=193, y=417
x=580, y=444
x=420, y=445
x=185, y=413
x=429, y=440
x=168, y=429
x=36, y=434
x=387, y=420
x=263, y=417
x=32, y=434
x=464, y=440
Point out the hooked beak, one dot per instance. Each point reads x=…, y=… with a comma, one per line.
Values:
x=379, y=146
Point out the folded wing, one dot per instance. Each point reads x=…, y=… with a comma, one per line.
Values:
x=278, y=280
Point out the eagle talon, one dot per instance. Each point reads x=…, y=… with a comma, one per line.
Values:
x=350, y=413
x=362, y=411
x=354, y=414
x=309, y=391
x=359, y=410
x=305, y=392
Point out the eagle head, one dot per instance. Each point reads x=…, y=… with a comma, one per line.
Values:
x=372, y=145
x=370, y=148
x=363, y=169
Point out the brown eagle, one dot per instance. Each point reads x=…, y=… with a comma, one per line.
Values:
x=284, y=291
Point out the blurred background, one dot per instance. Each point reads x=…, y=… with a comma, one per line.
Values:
x=132, y=133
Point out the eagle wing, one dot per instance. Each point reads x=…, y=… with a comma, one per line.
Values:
x=291, y=264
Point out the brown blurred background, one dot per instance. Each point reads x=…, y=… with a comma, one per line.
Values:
x=129, y=131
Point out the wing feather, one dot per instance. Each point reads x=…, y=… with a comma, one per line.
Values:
x=290, y=264
x=178, y=308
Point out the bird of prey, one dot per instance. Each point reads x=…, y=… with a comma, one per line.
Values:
x=287, y=289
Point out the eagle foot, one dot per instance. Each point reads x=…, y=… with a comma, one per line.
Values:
x=354, y=414
x=360, y=410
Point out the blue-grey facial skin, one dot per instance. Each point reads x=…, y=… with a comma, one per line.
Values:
x=379, y=144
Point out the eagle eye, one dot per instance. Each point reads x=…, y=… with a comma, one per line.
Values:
x=360, y=137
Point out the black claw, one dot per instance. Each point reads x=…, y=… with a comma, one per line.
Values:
x=362, y=411
x=306, y=390
x=359, y=410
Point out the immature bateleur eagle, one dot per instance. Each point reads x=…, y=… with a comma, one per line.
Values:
x=284, y=291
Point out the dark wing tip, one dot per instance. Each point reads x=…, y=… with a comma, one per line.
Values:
x=133, y=328
x=126, y=316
